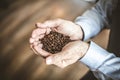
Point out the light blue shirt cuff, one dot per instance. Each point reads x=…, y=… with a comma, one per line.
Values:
x=95, y=56
x=89, y=27
x=91, y=22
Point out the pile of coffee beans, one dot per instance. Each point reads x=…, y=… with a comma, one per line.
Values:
x=54, y=42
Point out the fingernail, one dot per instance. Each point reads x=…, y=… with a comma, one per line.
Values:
x=48, y=61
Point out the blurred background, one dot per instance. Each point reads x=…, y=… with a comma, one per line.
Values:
x=17, y=20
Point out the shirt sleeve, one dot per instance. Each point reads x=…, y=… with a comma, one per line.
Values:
x=105, y=65
x=94, y=19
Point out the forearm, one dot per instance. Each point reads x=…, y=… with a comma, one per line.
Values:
x=105, y=65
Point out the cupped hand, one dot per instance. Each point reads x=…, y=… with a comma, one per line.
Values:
x=65, y=27
x=35, y=42
x=71, y=53
x=62, y=26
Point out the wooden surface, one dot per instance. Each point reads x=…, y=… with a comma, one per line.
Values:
x=17, y=20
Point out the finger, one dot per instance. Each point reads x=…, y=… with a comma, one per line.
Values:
x=38, y=32
x=31, y=46
x=37, y=39
x=56, y=60
x=50, y=23
x=38, y=25
x=49, y=60
x=48, y=30
x=42, y=52
x=36, y=43
x=31, y=40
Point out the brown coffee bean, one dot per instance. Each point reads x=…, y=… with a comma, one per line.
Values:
x=54, y=42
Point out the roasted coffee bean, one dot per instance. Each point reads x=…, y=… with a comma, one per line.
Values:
x=54, y=42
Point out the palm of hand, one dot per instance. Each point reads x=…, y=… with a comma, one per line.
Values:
x=70, y=53
x=62, y=26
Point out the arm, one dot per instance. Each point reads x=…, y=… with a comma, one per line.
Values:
x=94, y=19
x=105, y=65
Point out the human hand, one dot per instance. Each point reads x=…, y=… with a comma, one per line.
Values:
x=71, y=53
x=35, y=42
x=65, y=27
x=62, y=26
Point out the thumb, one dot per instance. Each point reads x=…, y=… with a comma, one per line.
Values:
x=49, y=60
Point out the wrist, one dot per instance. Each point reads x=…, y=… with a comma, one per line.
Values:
x=80, y=32
x=84, y=46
